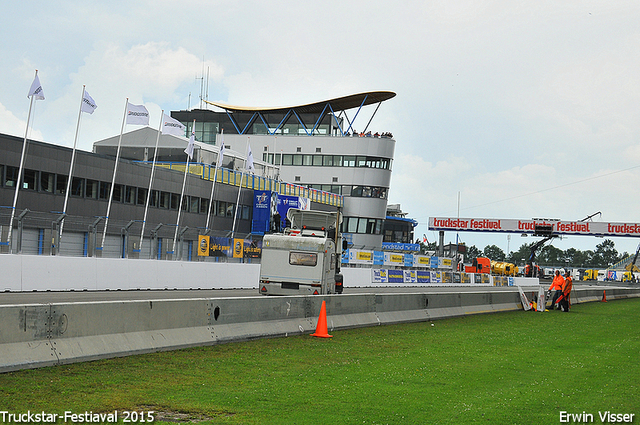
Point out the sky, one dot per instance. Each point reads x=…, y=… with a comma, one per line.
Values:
x=504, y=109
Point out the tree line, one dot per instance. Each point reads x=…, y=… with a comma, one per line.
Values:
x=604, y=255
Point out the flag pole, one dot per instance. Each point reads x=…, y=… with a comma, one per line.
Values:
x=115, y=169
x=19, y=180
x=73, y=157
x=235, y=215
x=184, y=182
x=153, y=169
x=215, y=177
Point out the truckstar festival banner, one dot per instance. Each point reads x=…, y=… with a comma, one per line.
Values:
x=559, y=227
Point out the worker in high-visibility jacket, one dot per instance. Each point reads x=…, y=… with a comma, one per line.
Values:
x=565, y=301
x=556, y=286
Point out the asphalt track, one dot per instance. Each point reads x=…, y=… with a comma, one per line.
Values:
x=46, y=297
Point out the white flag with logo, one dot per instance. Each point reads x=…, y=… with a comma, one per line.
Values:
x=250, y=160
x=36, y=89
x=171, y=126
x=137, y=114
x=189, y=149
x=88, y=104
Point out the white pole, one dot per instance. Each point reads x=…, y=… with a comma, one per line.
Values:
x=115, y=169
x=215, y=177
x=235, y=215
x=19, y=181
x=73, y=157
x=153, y=169
x=184, y=182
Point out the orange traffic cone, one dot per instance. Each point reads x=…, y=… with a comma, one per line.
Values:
x=321, y=329
x=604, y=296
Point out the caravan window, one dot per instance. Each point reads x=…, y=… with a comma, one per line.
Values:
x=303, y=259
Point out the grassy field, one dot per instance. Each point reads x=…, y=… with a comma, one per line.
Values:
x=506, y=368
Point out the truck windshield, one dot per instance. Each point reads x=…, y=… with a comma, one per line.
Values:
x=303, y=259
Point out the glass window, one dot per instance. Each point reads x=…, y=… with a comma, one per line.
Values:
x=77, y=187
x=277, y=159
x=287, y=159
x=175, y=201
x=230, y=209
x=105, y=189
x=349, y=161
x=91, y=189
x=327, y=160
x=165, y=199
x=362, y=225
x=47, y=181
x=303, y=259
x=337, y=160
x=297, y=159
x=222, y=208
x=30, y=180
x=204, y=206
x=194, y=204
x=352, y=224
x=129, y=194
x=356, y=191
x=307, y=160
x=154, y=201
x=117, y=193
x=361, y=161
x=61, y=183
x=12, y=176
x=246, y=212
x=142, y=196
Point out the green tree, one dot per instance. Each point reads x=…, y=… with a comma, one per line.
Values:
x=494, y=253
x=551, y=256
x=521, y=256
x=472, y=254
x=605, y=254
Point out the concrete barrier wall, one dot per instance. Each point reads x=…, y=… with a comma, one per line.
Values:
x=49, y=273
x=50, y=334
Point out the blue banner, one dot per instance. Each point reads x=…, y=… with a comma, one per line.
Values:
x=395, y=276
x=404, y=247
x=261, y=222
x=378, y=258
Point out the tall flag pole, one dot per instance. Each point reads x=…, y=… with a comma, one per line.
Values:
x=35, y=93
x=215, y=177
x=88, y=105
x=133, y=114
x=153, y=169
x=249, y=167
x=189, y=152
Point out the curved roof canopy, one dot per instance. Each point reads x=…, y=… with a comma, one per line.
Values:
x=337, y=104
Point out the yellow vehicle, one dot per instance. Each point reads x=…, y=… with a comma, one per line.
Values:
x=503, y=269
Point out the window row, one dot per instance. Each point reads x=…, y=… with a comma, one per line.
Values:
x=363, y=225
x=355, y=191
x=327, y=160
x=93, y=189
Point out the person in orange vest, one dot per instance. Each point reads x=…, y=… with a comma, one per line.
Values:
x=556, y=286
x=566, y=292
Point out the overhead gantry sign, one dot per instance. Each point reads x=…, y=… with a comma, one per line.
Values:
x=534, y=226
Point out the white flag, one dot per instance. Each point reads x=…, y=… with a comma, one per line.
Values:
x=189, y=149
x=88, y=104
x=171, y=126
x=250, y=160
x=137, y=114
x=221, y=153
x=36, y=89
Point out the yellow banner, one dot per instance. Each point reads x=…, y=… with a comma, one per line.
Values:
x=238, y=248
x=365, y=255
x=203, y=245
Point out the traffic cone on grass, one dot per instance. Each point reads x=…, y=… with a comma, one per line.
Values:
x=604, y=296
x=321, y=329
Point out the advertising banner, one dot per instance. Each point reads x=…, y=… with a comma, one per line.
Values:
x=395, y=276
x=558, y=227
x=261, y=221
x=224, y=247
x=284, y=202
x=378, y=258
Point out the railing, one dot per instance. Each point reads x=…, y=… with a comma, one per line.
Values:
x=250, y=181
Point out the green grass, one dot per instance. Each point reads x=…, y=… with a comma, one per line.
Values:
x=514, y=367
